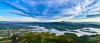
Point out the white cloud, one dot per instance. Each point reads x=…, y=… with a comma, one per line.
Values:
x=81, y=7
x=95, y=19
x=49, y=3
x=14, y=5
x=29, y=19
x=95, y=9
x=61, y=19
x=0, y=16
x=76, y=10
x=21, y=19
x=93, y=13
x=82, y=19
x=16, y=12
x=25, y=19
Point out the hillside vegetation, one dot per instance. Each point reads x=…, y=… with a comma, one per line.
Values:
x=52, y=38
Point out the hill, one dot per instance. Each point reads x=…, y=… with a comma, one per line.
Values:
x=48, y=25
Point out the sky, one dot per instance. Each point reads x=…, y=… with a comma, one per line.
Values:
x=50, y=10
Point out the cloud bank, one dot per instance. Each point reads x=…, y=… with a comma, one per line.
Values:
x=21, y=19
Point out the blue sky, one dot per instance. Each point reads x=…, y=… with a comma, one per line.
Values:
x=50, y=10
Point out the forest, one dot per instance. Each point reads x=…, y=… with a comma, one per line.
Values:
x=45, y=37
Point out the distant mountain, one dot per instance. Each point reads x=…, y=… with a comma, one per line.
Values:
x=48, y=25
x=96, y=23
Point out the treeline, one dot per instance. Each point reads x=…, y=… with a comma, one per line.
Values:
x=48, y=25
x=4, y=27
x=52, y=38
